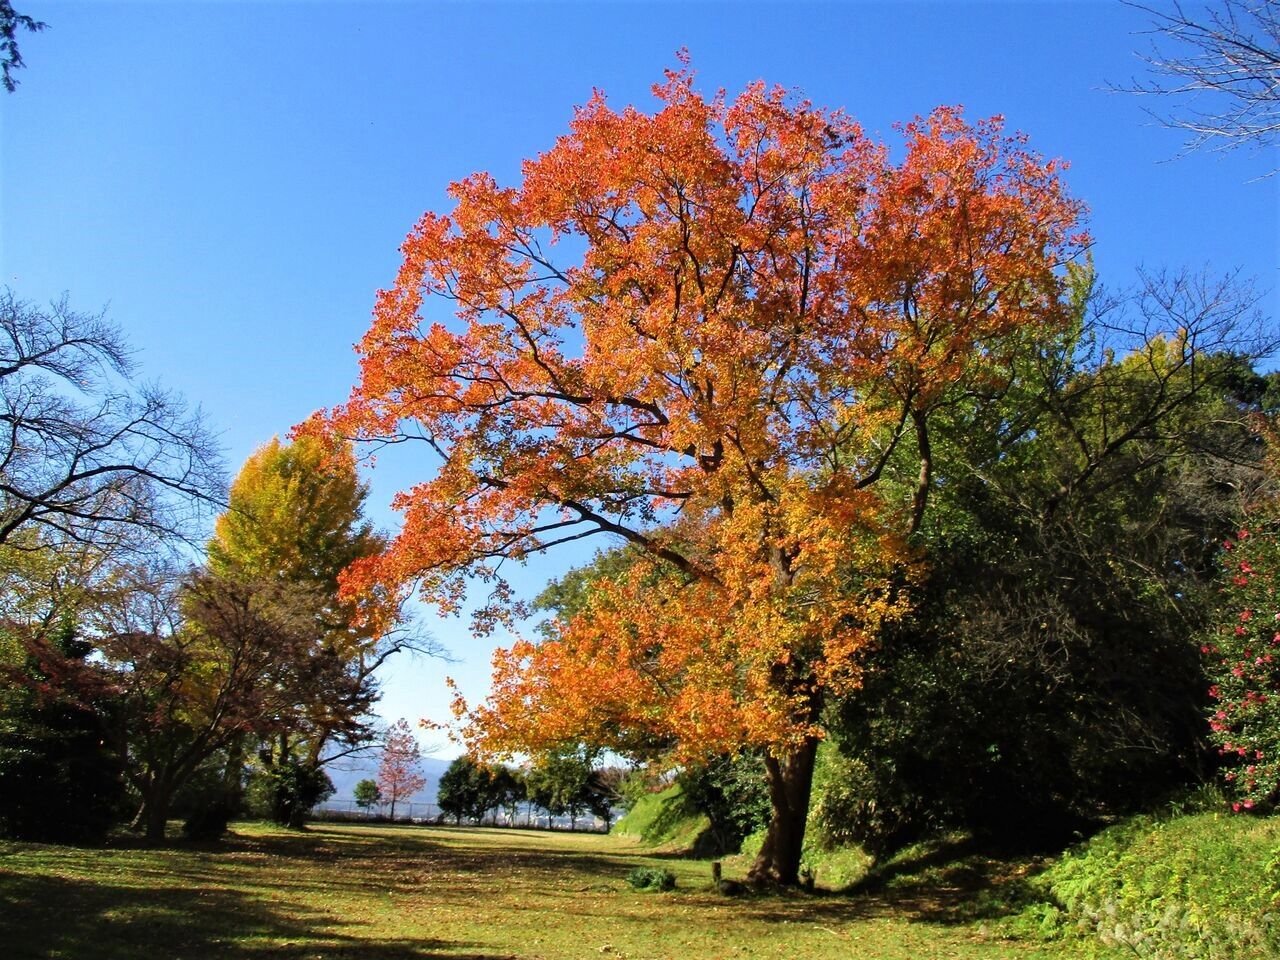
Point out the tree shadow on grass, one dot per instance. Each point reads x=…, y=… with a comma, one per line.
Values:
x=44, y=917
x=952, y=882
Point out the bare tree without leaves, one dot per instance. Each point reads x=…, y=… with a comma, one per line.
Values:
x=86, y=454
x=1220, y=70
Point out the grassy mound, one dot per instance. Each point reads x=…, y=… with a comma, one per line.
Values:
x=665, y=819
x=1201, y=885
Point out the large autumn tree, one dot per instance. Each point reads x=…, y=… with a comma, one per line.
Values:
x=702, y=331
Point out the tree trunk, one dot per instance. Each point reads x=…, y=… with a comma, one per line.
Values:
x=233, y=775
x=790, y=780
x=154, y=814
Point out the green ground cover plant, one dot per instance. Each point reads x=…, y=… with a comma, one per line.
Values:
x=1202, y=886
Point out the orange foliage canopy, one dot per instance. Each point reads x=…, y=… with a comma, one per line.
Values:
x=705, y=331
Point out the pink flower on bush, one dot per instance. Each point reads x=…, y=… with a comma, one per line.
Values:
x=1244, y=719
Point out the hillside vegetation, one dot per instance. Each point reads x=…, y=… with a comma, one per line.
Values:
x=1198, y=884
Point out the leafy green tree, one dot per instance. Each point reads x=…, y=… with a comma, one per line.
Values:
x=291, y=787
x=506, y=790
x=563, y=782
x=367, y=794
x=465, y=790
x=1049, y=673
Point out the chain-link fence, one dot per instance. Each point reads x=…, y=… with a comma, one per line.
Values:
x=525, y=816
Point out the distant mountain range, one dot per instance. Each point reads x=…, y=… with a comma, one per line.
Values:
x=349, y=771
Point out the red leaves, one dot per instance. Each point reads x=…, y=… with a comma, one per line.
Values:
x=398, y=773
x=697, y=330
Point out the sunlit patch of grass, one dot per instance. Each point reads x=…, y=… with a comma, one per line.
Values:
x=377, y=893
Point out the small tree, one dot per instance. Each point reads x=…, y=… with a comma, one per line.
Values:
x=561, y=783
x=465, y=790
x=398, y=774
x=507, y=790
x=367, y=794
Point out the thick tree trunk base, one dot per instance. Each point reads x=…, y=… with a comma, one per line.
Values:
x=154, y=823
x=790, y=780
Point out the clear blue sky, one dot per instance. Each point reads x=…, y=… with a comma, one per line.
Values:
x=232, y=180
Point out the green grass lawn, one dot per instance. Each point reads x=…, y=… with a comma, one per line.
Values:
x=377, y=893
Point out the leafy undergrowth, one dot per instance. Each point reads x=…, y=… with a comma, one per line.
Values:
x=1201, y=886
x=1197, y=886
x=410, y=893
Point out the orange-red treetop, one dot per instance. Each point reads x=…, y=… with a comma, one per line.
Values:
x=703, y=331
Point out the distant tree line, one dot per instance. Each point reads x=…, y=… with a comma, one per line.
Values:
x=563, y=784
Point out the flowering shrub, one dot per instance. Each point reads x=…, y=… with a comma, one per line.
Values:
x=1243, y=657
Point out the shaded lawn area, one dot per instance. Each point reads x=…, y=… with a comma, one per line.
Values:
x=378, y=893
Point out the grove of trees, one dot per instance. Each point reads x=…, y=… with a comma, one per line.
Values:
x=878, y=444
x=910, y=521
x=136, y=681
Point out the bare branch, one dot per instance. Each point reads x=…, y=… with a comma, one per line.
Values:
x=1220, y=70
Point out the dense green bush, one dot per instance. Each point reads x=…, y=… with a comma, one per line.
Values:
x=1243, y=655
x=367, y=794
x=1049, y=676
x=286, y=791
x=707, y=809
x=463, y=790
x=651, y=878
x=208, y=821
x=731, y=793
x=850, y=807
